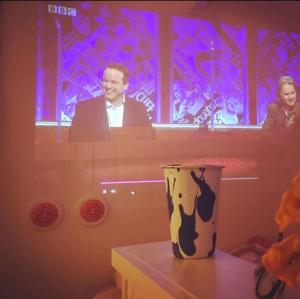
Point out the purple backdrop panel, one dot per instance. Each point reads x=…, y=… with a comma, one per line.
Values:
x=278, y=54
x=208, y=73
x=73, y=50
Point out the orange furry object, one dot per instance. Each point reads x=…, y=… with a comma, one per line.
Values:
x=283, y=260
x=289, y=208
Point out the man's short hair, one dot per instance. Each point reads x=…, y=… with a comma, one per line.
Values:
x=120, y=67
x=285, y=80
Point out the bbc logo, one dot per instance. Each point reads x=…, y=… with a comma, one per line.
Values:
x=62, y=10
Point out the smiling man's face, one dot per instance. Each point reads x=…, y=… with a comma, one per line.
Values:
x=113, y=85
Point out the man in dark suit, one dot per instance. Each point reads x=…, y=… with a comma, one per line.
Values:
x=93, y=118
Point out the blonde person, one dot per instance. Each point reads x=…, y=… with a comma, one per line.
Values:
x=283, y=115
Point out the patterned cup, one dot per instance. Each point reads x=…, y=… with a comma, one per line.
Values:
x=192, y=194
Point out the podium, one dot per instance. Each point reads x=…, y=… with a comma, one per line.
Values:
x=151, y=271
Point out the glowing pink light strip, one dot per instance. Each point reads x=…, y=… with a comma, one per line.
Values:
x=131, y=182
x=162, y=181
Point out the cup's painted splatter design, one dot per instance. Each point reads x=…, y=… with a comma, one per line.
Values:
x=191, y=205
x=206, y=201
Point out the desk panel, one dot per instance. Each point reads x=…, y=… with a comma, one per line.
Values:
x=151, y=271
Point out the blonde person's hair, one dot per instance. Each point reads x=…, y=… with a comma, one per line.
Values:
x=285, y=80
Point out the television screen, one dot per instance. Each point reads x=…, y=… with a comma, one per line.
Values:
x=185, y=70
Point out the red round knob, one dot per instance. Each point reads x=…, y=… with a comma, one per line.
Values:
x=45, y=215
x=93, y=211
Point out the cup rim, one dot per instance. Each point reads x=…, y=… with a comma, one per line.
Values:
x=187, y=165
